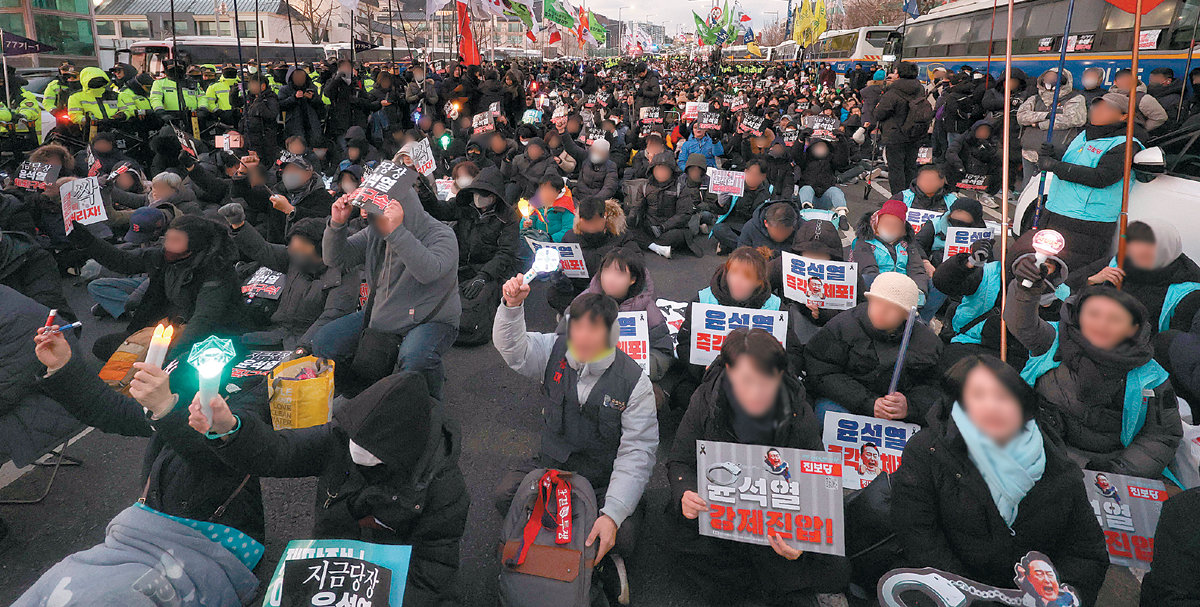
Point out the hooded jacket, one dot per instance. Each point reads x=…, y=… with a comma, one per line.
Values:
x=892, y=109
x=302, y=115
x=820, y=173
x=850, y=362
x=259, y=123
x=526, y=172
x=1083, y=399
x=946, y=519
x=31, y=270
x=348, y=104
x=970, y=155
x=1150, y=113
x=412, y=273
x=416, y=496
x=1034, y=114
x=1171, y=267
x=1168, y=96
x=596, y=181
x=662, y=204
x=754, y=233
x=487, y=240
x=89, y=102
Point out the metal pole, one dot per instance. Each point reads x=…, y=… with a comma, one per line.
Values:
x=1005, y=170
x=352, y=45
x=1062, y=63
x=392, y=34
x=1187, y=67
x=238, y=33
x=991, y=39
x=1129, y=124
x=257, y=35
x=178, y=85
x=7, y=94
x=292, y=33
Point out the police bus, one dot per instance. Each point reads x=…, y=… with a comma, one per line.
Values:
x=1101, y=36
x=841, y=49
x=148, y=56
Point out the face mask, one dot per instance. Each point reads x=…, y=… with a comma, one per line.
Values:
x=321, y=153
x=958, y=224
x=483, y=201
x=464, y=182
x=1049, y=86
x=252, y=69
x=348, y=186
x=305, y=263
x=887, y=237
x=293, y=181
x=361, y=456
x=597, y=159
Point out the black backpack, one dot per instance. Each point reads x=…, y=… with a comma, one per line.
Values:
x=918, y=119
x=536, y=570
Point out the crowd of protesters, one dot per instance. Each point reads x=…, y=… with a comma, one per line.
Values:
x=615, y=156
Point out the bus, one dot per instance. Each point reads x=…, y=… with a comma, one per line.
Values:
x=841, y=49
x=1101, y=36
x=785, y=52
x=148, y=56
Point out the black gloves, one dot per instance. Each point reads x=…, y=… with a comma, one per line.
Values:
x=1027, y=268
x=981, y=251
x=473, y=287
x=1047, y=157
x=233, y=213
x=185, y=160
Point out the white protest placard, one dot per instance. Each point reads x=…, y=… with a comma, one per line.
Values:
x=959, y=240
x=81, y=202
x=917, y=218
x=482, y=123
x=422, y=156
x=711, y=323
x=868, y=445
x=692, y=109
x=445, y=188
x=570, y=256
x=1127, y=508
x=825, y=284
x=726, y=182
x=756, y=491
x=634, y=338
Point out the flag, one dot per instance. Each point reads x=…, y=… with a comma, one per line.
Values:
x=584, y=32
x=752, y=48
x=468, y=50
x=749, y=36
x=433, y=6
x=1128, y=6
x=555, y=37
x=532, y=38
x=914, y=11
x=16, y=45
x=364, y=45
x=599, y=32
x=554, y=12
x=520, y=10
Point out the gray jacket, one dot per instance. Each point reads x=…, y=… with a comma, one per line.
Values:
x=409, y=272
x=528, y=353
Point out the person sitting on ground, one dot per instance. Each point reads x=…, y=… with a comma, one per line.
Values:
x=985, y=483
x=555, y=204
x=886, y=243
x=599, y=228
x=662, y=212
x=735, y=211
x=772, y=227
x=850, y=361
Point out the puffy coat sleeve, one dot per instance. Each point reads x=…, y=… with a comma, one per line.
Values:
x=1153, y=448
x=826, y=357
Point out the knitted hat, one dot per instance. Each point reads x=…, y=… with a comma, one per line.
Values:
x=894, y=208
x=896, y=288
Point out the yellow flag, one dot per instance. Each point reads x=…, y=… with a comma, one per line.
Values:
x=752, y=47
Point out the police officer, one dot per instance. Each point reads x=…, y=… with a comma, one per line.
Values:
x=20, y=117
x=222, y=96
x=59, y=90
x=95, y=102
x=174, y=93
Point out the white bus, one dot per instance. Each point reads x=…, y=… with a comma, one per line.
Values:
x=843, y=48
x=148, y=56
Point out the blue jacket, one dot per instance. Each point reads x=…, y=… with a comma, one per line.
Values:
x=704, y=146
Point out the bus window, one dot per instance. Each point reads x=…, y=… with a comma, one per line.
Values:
x=877, y=39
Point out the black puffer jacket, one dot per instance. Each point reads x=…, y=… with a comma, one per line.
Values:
x=487, y=240
x=648, y=92
x=754, y=233
x=850, y=362
x=946, y=518
x=1082, y=400
x=663, y=204
x=892, y=109
x=303, y=114
x=595, y=182
x=417, y=496
x=821, y=173
x=526, y=172
x=31, y=271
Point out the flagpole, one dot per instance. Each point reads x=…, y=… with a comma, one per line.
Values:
x=292, y=33
x=991, y=37
x=7, y=93
x=257, y=34
x=1005, y=170
x=392, y=34
x=238, y=34
x=1062, y=61
x=1129, y=124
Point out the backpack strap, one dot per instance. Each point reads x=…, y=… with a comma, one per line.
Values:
x=558, y=519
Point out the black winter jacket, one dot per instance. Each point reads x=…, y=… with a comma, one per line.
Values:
x=892, y=110
x=302, y=116
x=487, y=241
x=946, y=519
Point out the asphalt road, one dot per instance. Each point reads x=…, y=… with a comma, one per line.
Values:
x=498, y=411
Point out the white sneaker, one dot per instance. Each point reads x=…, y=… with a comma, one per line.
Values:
x=661, y=250
x=988, y=201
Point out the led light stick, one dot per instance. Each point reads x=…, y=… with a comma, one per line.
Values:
x=546, y=260
x=1046, y=244
x=209, y=358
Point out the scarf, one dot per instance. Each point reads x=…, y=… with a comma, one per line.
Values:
x=1009, y=471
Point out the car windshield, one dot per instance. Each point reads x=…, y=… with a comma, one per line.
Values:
x=37, y=84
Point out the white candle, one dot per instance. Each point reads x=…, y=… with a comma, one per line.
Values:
x=157, y=352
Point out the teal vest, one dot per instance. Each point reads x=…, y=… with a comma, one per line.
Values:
x=1080, y=201
x=908, y=196
x=707, y=297
x=1175, y=294
x=884, y=259
x=977, y=304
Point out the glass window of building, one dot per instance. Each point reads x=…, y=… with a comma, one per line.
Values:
x=70, y=35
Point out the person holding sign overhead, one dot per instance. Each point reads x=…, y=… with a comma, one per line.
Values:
x=599, y=414
x=984, y=483
x=851, y=360
x=748, y=396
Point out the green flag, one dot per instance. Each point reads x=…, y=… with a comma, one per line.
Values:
x=553, y=11
x=702, y=30
x=599, y=32
x=520, y=11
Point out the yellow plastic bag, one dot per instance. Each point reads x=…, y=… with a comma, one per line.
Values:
x=300, y=403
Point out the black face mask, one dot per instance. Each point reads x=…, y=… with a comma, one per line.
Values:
x=955, y=223
x=229, y=73
x=96, y=83
x=175, y=73
x=73, y=85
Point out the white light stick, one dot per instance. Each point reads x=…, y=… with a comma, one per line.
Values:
x=157, y=352
x=1046, y=244
x=209, y=358
x=546, y=260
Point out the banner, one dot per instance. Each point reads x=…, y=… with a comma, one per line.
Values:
x=555, y=13
x=386, y=183
x=634, y=338
x=825, y=284
x=711, y=323
x=265, y=283
x=81, y=202
x=422, y=156
x=339, y=572
x=599, y=32
x=726, y=182
x=1127, y=508
x=650, y=115
x=570, y=256
x=36, y=175
x=868, y=445
x=466, y=45
x=1036, y=580
x=692, y=109
x=15, y=45
x=482, y=122
x=959, y=240
x=258, y=363
x=754, y=491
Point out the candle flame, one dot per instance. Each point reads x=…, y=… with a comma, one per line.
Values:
x=524, y=207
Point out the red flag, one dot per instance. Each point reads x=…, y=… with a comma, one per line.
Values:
x=1130, y=6
x=745, y=18
x=468, y=50
x=583, y=26
x=529, y=34
x=555, y=37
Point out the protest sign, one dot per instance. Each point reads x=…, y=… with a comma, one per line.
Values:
x=752, y=124
x=790, y=137
x=592, y=135
x=673, y=312
x=924, y=155
x=959, y=240
x=422, y=156
x=634, y=338
x=36, y=175
x=531, y=116
x=81, y=202
x=823, y=127
x=1127, y=508
x=709, y=120
x=570, y=256
x=451, y=110
x=825, y=284
x=973, y=182
x=444, y=187
x=339, y=572
x=868, y=445
x=258, y=363
x=726, y=182
x=185, y=142
x=754, y=491
x=650, y=115
x=92, y=163
x=588, y=117
x=736, y=103
x=482, y=122
x=693, y=109
x=495, y=110
x=265, y=283
x=603, y=98
x=917, y=218
x=711, y=323
x=589, y=101
x=1036, y=583
x=387, y=182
